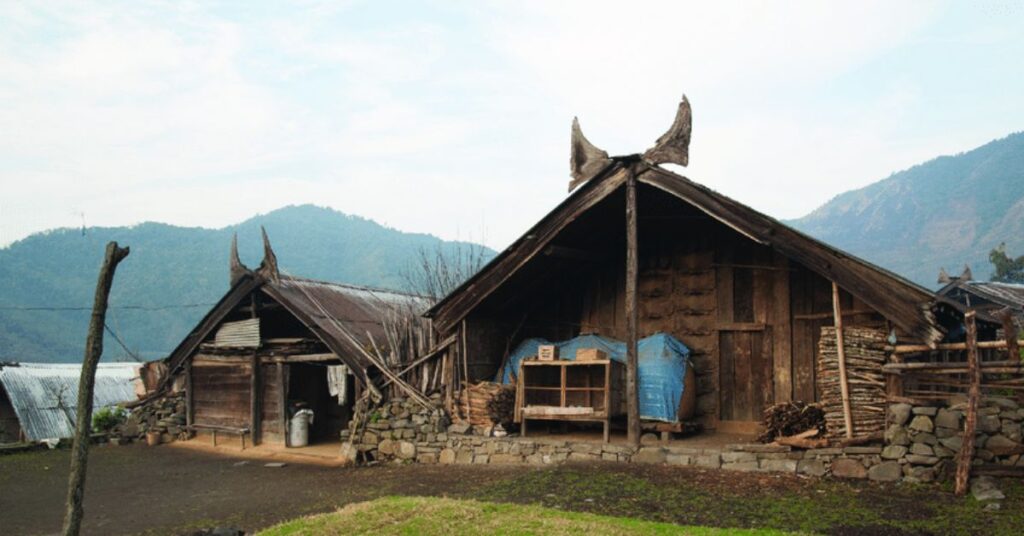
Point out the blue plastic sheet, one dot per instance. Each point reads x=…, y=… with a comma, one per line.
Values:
x=662, y=361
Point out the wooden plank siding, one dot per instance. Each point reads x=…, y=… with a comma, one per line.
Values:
x=221, y=393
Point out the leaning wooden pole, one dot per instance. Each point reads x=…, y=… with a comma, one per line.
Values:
x=966, y=455
x=632, y=360
x=86, y=383
x=1010, y=332
x=844, y=386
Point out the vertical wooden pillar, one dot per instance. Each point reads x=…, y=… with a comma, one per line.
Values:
x=189, y=395
x=966, y=454
x=255, y=401
x=282, y=398
x=844, y=387
x=632, y=267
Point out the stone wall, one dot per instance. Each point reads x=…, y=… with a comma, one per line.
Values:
x=165, y=415
x=925, y=440
x=921, y=444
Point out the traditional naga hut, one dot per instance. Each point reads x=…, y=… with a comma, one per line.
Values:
x=991, y=297
x=637, y=250
x=275, y=344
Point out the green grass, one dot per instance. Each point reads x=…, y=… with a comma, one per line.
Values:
x=440, y=516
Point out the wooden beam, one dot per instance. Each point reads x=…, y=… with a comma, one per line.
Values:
x=918, y=348
x=255, y=400
x=632, y=268
x=966, y=454
x=1010, y=332
x=841, y=351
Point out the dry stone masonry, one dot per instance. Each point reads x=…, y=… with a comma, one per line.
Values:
x=921, y=443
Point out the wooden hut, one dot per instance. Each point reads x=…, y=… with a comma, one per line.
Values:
x=275, y=342
x=637, y=249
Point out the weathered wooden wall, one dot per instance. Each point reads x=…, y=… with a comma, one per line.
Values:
x=221, y=393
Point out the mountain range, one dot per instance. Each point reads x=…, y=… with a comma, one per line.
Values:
x=944, y=213
x=174, y=274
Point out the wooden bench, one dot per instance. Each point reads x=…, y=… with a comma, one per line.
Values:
x=241, y=432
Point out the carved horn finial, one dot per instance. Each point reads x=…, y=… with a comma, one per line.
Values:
x=236, y=268
x=585, y=159
x=944, y=276
x=268, y=268
x=674, y=145
x=966, y=275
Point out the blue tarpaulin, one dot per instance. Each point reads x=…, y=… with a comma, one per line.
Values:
x=662, y=366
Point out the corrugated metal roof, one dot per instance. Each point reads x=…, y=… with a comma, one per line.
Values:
x=45, y=395
x=1008, y=294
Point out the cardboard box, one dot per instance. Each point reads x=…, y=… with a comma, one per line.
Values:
x=591, y=354
x=547, y=352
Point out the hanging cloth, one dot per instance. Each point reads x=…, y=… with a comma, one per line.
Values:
x=337, y=382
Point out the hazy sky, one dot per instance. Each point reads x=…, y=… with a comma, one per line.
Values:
x=453, y=118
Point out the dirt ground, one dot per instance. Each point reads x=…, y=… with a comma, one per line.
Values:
x=169, y=490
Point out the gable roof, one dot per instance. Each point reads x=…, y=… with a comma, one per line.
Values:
x=1005, y=294
x=327, y=309
x=905, y=303
x=45, y=395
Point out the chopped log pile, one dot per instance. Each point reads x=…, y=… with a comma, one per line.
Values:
x=474, y=401
x=502, y=407
x=791, y=419
x=865, y=356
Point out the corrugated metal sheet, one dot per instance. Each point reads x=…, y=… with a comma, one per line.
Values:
x=45, y=396
x=1008, y=294
x=240, y=334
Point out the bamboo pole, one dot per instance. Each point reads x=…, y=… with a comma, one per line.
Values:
x=841, y=353
x=86, y=384
x=981, y=345
x=966, y=455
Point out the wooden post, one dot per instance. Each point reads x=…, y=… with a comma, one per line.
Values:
x=86, y=384
x=282, y=398
x=632, y=267
x=189, y=396
x=255, y=401
x=837, y=314
x=966, y=454
x=1010, y=332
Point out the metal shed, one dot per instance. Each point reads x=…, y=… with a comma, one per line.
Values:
x=43, y=396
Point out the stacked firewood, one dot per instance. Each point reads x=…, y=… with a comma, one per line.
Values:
x=502, y=407
x=790, y=419
x=865, y=356
x=474, y=401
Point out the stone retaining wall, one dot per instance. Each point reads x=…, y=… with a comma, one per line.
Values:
x=921, y=444
x=165, y=415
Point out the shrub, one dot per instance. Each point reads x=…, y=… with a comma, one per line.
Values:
x=105, y=419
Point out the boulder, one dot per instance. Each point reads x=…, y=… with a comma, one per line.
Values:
x=1001, y=445
x=810, y=467
x=460, y=428
x=926, y=410
x=921, y=449
x=886, y=472
x=387, y=447
x=894, y=452
x=952, y=443
x=984, y=488
x=899, y=413
x=990, y=424
x=649, y=439
x=649, y=455
x=447, y=456
x=897, y=435
x=848, y=468
x=922, y=423
x=406, y=450
x=948, y=419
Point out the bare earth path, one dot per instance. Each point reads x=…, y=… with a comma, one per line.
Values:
x=166, y=490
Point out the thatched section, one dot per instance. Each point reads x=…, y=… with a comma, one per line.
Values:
x=865, y=355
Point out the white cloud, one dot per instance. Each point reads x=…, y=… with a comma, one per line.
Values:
x=439, y=118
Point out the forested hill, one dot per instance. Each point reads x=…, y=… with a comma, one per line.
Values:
x=174, y=273
x=943, y=213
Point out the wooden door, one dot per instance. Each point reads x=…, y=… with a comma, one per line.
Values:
x=744, y=294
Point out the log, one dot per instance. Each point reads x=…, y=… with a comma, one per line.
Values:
x=966, y=454
x=86, y=383
x=632, y=268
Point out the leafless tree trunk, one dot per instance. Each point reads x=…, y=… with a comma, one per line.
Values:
x=93, y=351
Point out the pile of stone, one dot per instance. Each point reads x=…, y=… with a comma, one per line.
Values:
x=926, y=439
x=163, y=415
x=399, y=429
